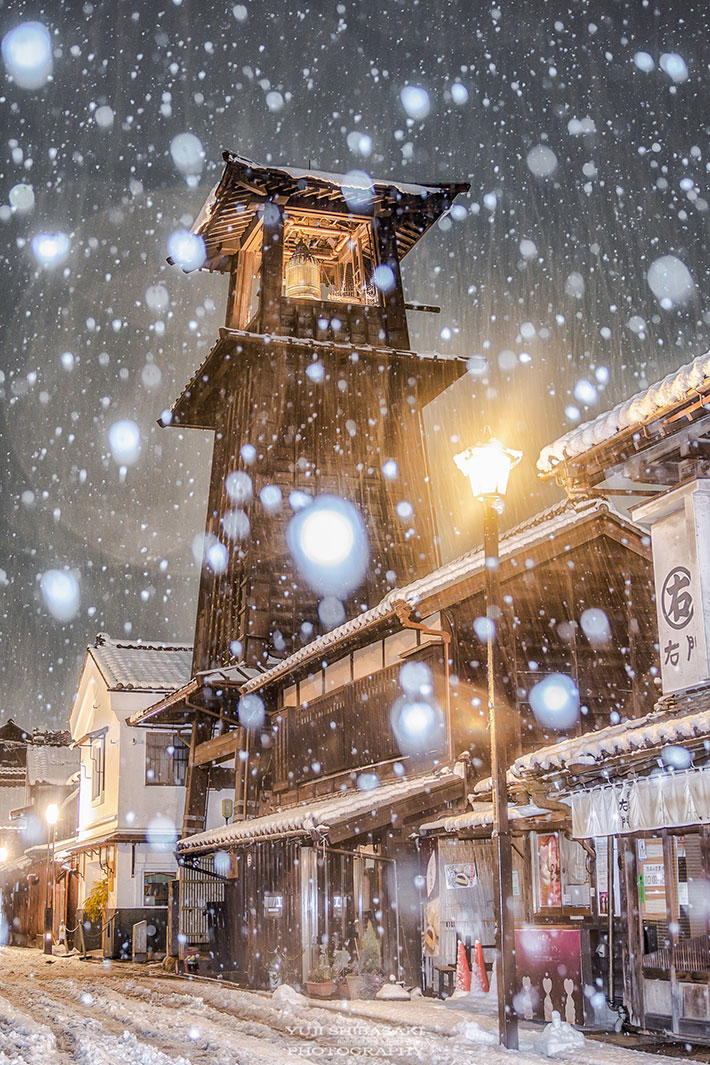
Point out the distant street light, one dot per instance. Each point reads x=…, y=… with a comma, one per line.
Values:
x=488, y=467
x=51, y=816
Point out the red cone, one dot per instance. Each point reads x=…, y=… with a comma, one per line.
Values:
x=479, y=979
x=463, y=973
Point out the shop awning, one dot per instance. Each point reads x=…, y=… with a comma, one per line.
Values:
x=336, y=818
x=662, y=800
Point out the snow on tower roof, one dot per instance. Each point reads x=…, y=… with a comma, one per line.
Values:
x=629, y=415
x=245, y=186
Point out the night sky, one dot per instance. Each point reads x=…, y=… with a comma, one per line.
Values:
x=587, y=154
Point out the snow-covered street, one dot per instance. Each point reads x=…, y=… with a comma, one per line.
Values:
x=62, y=1010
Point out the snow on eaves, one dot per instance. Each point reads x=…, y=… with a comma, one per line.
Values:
x=635, y=736
x=636, y=411
x=545, y=525
x=338, y=180
x=315, y=818
x=481, y=816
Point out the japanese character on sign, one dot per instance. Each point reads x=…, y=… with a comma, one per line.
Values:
x=672, y=653
x=676, y=598
x=691, y=645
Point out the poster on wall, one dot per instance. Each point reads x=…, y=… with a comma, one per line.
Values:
x=548, y=962
x=652, y=877
x=460, y=875
x=549, y=879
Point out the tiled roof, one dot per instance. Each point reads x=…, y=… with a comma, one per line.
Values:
x=672, y=390
x=481, y=816
x=676, y=720
x=543, y=526
x=315, y=818
x=158, y=667
x=51, y=765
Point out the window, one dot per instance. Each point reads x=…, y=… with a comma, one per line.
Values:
x=560, y=876
x=156, y=888
x=98, y=768
x=165, y=759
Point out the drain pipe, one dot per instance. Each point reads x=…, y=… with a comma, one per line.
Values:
x=404, y=612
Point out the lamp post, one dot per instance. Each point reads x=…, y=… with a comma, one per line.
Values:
x=51, y=816
x=488, y=467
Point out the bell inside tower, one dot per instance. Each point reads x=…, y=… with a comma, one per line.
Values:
x=302, y=275
x=329, y=259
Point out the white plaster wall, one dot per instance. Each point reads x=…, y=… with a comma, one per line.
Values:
x=129, y=878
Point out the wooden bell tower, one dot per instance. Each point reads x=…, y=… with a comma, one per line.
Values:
x=311, y=388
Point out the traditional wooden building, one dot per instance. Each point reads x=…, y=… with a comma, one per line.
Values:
x=351, y=807
x=310, y=390
x=640, y=790
x=41, y=767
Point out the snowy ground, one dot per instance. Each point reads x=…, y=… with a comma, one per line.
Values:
x=61, y=1010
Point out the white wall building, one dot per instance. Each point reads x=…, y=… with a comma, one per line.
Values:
x=131, y=785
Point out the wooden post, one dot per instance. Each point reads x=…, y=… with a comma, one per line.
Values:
x=633, y=945
x=670, y=876
x=272, y=268
x=197, y=780
x=395, y=315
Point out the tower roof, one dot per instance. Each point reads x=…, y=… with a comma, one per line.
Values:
x=230, y=209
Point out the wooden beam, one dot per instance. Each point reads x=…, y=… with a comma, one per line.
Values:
x=218, y=749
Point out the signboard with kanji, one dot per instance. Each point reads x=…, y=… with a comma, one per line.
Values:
x=680, y=535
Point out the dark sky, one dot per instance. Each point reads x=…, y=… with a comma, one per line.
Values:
x=293, y=83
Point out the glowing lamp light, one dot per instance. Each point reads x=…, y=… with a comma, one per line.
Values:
x=488, y=467
x=51, y=814
x=3, y=855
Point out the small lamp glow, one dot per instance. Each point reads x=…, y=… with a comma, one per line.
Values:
x=488, y=467
x=3, y=855
x=51, y=814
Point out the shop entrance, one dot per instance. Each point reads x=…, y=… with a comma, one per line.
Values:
x=674, y=919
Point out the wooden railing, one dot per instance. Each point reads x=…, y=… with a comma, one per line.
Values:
x=340, y=730
x=688, y=956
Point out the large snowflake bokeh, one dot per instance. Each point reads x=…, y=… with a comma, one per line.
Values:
x=576, y=270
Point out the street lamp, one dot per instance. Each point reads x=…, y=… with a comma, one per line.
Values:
x=488, y=467
x=51, y=816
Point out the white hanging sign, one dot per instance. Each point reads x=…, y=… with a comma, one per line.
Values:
x=680, y=538
x=663, y=800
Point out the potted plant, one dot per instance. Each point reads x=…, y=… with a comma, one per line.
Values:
x=320, y=982
x=367, y=977
x=341, y=964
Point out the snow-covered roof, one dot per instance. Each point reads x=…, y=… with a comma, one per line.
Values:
x=545, y=525
x=634, y=736
x=51, y=765
x=317, y=818
x=481, y=816
x=338, y=181
x=245, y=186
x=631, y=413
x=182, y=411
x=141, y=666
